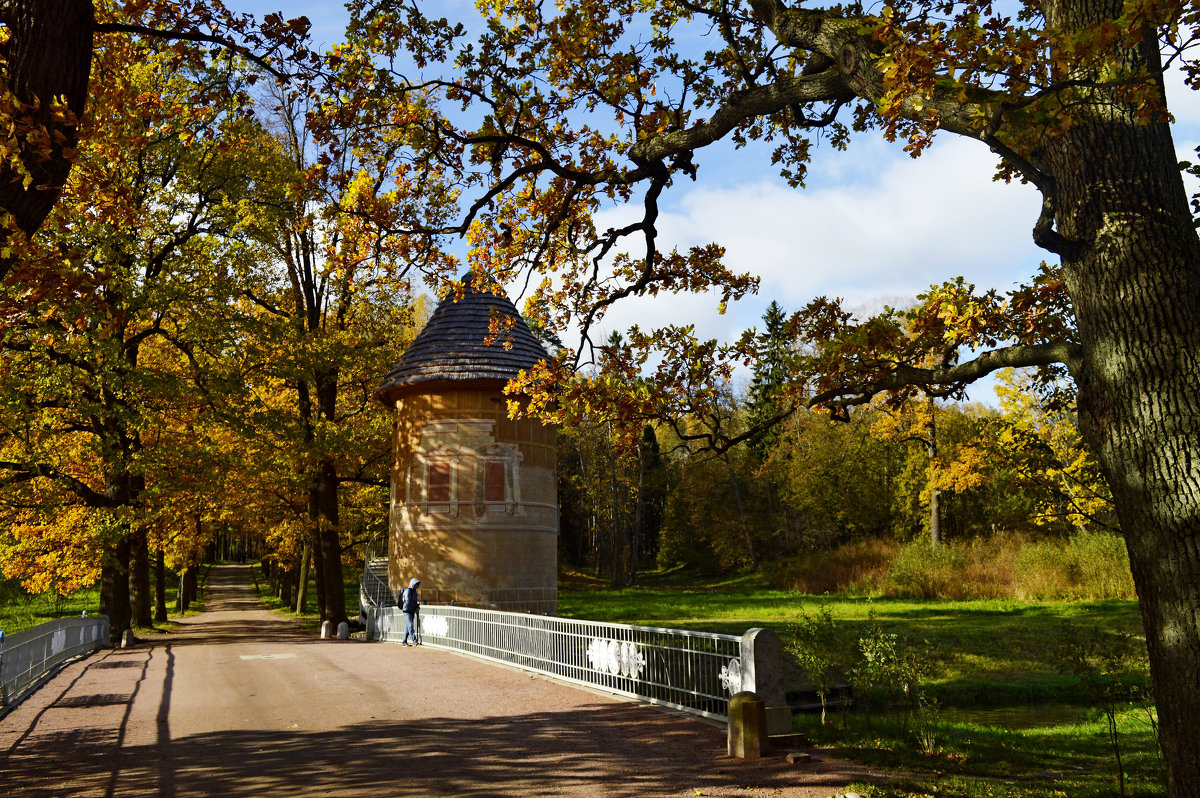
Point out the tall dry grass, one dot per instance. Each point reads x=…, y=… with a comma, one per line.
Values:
x=852, y=568
x=1087, y=566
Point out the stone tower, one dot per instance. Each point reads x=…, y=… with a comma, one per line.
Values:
x=474, y=504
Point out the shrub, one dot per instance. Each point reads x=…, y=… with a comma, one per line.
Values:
x=989, y=566
x=1088, y=566
x=814, y=643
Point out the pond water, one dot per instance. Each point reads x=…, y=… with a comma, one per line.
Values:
x=1022, y=717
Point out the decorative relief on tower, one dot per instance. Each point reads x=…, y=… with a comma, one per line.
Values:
x=459, y=462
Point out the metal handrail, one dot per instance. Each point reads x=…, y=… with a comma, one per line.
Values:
x=26, y=657
x=696, y=672
x=373, y=591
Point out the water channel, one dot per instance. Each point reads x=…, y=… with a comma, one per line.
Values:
x=1019, y=717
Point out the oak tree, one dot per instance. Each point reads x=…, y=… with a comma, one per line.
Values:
x=542, y=114
x=333, y=308
x=143, y=234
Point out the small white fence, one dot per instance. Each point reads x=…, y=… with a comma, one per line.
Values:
x=696, y=672
x=25, y=657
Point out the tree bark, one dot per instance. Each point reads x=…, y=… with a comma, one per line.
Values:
x=286, y=579
x=935, y=495
x=49, y=55
x=331, y=546
x=327, y=491
x=182, y=600
x=187, y=585
x=140, y=597
x=302, y=587
x=114, y=588
x=1135, y=287
x=160, y=587
x=122, y=489
x=318, y=557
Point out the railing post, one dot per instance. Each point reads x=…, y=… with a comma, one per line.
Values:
x=762, y=665
x=762, y=674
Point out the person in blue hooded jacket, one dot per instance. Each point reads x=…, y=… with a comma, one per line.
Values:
x=410, y=605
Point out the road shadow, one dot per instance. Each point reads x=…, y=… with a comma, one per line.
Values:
x=598, y=750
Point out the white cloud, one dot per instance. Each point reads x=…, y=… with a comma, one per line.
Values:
x=917, y=222
x=874, y=227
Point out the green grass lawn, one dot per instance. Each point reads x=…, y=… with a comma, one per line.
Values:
x=973, y=761
x=20, y=610
x=981, y=654
x=987, y=652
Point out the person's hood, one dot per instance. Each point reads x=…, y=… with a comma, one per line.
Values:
x=414, y=582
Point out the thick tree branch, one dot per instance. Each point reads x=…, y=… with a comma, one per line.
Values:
x=27, y=471
x=360, y=480
x=194, y=36
x=904, y=376
x=827, y=86
x=956, y=107
x=715, y=439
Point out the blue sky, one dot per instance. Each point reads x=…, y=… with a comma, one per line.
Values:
x=873, y=225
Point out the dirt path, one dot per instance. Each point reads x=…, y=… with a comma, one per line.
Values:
x=237, y=703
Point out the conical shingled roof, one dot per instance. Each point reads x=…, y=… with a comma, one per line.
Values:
x=453, y=346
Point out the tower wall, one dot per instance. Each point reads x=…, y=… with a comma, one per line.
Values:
x=474, y=505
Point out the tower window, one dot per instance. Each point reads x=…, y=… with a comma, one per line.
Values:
x=438, y=486
x=494, y=488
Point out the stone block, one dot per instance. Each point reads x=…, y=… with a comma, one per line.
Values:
x=779, y=720
x=747, y=732
x=343, y=632
x=326, y=630
x=782, y=742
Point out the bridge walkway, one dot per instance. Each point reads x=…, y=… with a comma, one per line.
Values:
x=236, y=702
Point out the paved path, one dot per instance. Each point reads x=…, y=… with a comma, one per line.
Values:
x=238, y=703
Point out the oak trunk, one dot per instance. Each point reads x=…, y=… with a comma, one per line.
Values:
x=160, y=587
x=114, y=588
x=1135, y=286
x=49, y=55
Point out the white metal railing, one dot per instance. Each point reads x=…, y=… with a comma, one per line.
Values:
x=696, y=672
x=25, y=657
x=374, y=590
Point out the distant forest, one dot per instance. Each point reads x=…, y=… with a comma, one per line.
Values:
x=933, y=471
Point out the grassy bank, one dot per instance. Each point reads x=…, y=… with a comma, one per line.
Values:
x=20, y=610
x=997, y=652
x=973, y=760
x=971, y=654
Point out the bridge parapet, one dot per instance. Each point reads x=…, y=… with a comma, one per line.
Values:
x=696, y=672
